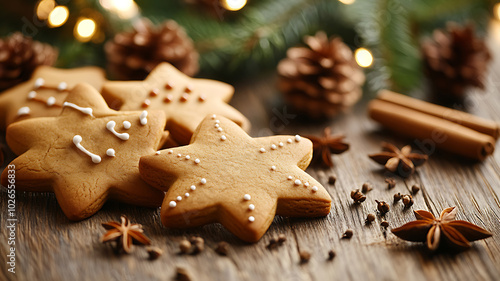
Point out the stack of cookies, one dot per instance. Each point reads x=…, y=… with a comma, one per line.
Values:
x=169, y=141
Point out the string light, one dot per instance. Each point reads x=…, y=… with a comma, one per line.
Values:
x=125, y=9
x=58, y=16
x=496, y=11
x=234, y=5
x=347, y=2
x=85, y=28
x=363, y=57
x=44, y=8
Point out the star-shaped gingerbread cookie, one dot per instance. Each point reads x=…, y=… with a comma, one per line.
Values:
x=226, y=176
x=44, y=94
x=87, y=154
x=185, y=100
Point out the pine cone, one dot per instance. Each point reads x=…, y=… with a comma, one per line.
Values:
x=19, y=56
x=454, y=60
x=320, y=80
x=132, y=55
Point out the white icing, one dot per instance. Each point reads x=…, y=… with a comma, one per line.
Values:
x=172, y=204
x=290, y=178
x=110, y=152
x=111, y=127
x=251, y=219
x=193, y=188
x=170, y=151
x=147, y=102
x=158, y=152
x=289, y=140
x=143, y=117
x=62, y=86
x=127, y=125
x=51, y=101
x=314, y=188
x=77, y=139
x=273, y=146
x=84, y=110
x=251, y=207
x=281, y=144
x=219, y=129
x=202, y=98
x=203, y=181
x=273, y=168
x=297, y=138
x=23, y=111
x=216, y=125
x=179, y=155
x=262, y=150
x=186, y=194
x=306, y=184
x=297, y=182
x=188, y=157
x=179, y=198
x=39, y=83
x=197, y=161
x=214, y=116
x=247, y=197
x=217, y=121
x=223, y=138
x=31, y=95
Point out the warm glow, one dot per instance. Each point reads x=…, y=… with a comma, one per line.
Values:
x=363, y=57
x=85, y=29
x=44, y=8
x=125, y=9
x=234, y=5
x=58, y=16
x=347, y=2
x=496, y=11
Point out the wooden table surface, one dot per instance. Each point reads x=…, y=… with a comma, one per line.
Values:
x=49, y=247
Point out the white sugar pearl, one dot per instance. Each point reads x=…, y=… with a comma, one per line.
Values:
x=31, y=95
x=289, y=178
x=193, y=187
x=251, y=207
x=281, y=144
x=188, y=157
x=251, y=219
x=39, y=82
x=273, y=146
x=179, y=155
x=216, y=125
x=289, y=140
x=223, y=138
x=203, y=181
x=314, y=188
x=297, y=138
x=297, y=182
x=306, y=184
x=62, y=86
x=172, y=204
x=273, y=168
x=214, y=116
x=179, y=198
x=262, y=150
x=186, y=194
x=217, y=121
x=170, y=151
x=158, y=153
x=219, y=129
x=247, y=197
x=197, y=161
x=51, y=101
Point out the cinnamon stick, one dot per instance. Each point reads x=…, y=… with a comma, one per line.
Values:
x=476, y=123
x=431, y=131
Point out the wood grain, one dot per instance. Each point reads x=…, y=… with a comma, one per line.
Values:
x=49, y=247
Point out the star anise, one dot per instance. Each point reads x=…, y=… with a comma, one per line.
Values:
x=327, y=145
x=401, y=161
x=125, y=234
x=443, y=230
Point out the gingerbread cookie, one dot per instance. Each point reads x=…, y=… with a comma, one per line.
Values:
x=226, y=176
x=185, y=100
x=43, y=95
x=87, y=154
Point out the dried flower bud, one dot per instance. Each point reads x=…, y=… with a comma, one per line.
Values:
x=382, y=207
x=222, y=248
x=332, y=180
x=331, y=255
x=370, y=218
x=391, y=182
x=281, y=238
x=397, y=197
x=347, y=234
x=185, y=246
x=384, y=224
x=415, y=189
x=154, y=252
x=366, y=187
x=407, y=200
x=305, y=256
x=182, y=274
x=357, y=196
x=198, y=245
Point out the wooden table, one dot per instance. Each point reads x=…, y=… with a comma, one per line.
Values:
x=49, y=247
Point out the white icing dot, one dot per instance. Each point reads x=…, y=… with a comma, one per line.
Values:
x=62, y=86
x=203, y=181
x=193, y=187
x=179, y=155
x=158, y=152
x=172, y=204
x=273, y=146
x=127, y=125
x=202, y=98
x=219, y=129
x=110, y=152
x=31, y=95
x=23, y=111
x=197, y=161
x=186, y=194
x=39, y=82
x=289, y=178
x=179, y=198
x=251, y=207
x=273, y=168
x=217, y=121
x=188, y=157
x=297, y=138
x=214, y=116
x=281, y=144
x=306, y=184
x=247, y=197
x=170, y=151
x=223, y=138
x=297, y=182
x=314, y=188
x=251, y=219
x=51, y=101
x=262, y=150
x=216, y=125
x=147, y=102
x=289, y=140
x=143, y=117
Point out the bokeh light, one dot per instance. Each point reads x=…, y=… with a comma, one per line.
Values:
x=234, y=5
x=58, y=16
x=44, y=8
x=85, y=28
x=363, y=57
